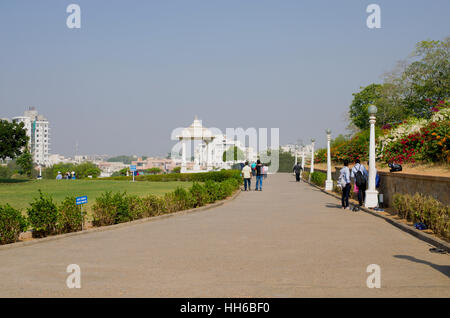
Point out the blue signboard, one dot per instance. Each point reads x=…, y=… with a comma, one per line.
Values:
x=81, y=200
x=132, y=167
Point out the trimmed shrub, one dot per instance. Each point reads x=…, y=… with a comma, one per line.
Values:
x=426, y=209
x=70, y=217
x=183, y=199
x=12, y=223
x=43, y=215
x=152, y=205
x=198, y=194
x=110, y=209
x=213, y=191
x=318, y=178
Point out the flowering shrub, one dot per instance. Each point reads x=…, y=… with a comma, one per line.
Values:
x=355, y=148
x=431, y=143
x=320, y=155
x=418, y=139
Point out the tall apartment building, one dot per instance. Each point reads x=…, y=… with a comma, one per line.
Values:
x=38, y=131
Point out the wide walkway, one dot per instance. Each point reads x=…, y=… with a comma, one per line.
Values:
x=290, y=240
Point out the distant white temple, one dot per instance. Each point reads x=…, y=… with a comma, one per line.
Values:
x=209, y=149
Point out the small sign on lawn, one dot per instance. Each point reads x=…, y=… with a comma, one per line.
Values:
x=81, y=200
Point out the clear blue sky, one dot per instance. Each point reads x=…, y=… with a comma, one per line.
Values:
x=138, y=69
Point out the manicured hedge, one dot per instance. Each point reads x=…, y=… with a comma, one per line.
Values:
x=47, y=218
x=117, y=208
x=217, y=176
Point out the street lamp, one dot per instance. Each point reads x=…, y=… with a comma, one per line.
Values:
x=329, y=181
x=312, y=155
x=296, y=150
x=371, y=192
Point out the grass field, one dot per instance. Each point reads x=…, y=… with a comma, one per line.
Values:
x=19, y=193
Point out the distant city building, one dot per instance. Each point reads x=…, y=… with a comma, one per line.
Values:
x=108, y=168
x=38, y=131
x=91, y=158
x=166, y=165
x=55, y=159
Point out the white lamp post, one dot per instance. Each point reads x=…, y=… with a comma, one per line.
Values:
x=328, y=182
x=371, y=192
x=303, y=158
x=296, y=150
x=312, y=158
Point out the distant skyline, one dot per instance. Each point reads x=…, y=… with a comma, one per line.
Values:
x=137, y=70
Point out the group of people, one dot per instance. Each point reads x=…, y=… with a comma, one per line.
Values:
x=256, y=169
x=360, y=176
x=67, y=176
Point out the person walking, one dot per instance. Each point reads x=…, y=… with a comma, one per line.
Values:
x=297, y=170
x=259, y=175
x=360, y=175
x=344, y=184
x=265, y=170
x=254, y=169
x=247, y=175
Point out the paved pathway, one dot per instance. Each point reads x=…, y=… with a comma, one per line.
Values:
x=289, y=240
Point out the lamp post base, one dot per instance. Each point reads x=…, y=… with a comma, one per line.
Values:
x=371, y=199
x=328, y=185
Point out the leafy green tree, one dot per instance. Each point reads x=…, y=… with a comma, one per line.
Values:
x=176, y=170
x=154, y=170
x=25, y=163
x=368, y=95
x=13, y=139
x=427, y=77
x=121, y=172
x=85, y=169
x=386, y=97
x=233, y=153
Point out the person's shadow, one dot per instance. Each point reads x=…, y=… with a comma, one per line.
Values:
x=441, y=268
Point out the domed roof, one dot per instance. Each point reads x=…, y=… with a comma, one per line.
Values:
x=196, y=131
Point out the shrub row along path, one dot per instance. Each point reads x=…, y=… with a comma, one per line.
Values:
x=290, y=240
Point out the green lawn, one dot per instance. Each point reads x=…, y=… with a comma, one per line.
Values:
x=20, y=193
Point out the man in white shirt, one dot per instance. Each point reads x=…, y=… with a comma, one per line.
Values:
x=247, y=175
x=344, y=177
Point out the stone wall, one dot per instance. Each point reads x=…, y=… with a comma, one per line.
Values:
x=404, y=183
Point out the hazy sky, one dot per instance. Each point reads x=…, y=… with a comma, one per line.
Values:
x=138, y=69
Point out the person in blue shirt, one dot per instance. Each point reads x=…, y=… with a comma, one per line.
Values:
x=363, y=186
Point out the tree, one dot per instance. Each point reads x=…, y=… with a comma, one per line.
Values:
x=427, y=77
x=176, y=170
x=233, y=154
x=386, y=97
x=368, y=95
x=25, y=163
x=86, y=169
x=153, y=170
x=13, y=139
